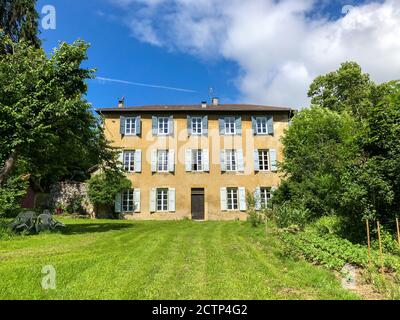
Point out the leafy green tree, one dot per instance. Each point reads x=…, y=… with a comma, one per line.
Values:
x=346, y=89
x=342, y=155
x=19, y=20
x=373, y=182
x=317, y=146
x=104, y=186
x=45, y=121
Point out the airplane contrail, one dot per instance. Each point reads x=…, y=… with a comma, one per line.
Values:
x=145, y=85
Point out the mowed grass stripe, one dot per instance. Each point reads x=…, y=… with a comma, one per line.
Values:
x=160, y=260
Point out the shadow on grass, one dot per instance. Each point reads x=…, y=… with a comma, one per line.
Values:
x=94, y=228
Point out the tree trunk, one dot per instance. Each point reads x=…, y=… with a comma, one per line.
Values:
x=7, y=168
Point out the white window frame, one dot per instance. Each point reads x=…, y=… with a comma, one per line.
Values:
x=197, y=164
x=196, y=124
x=265, y=196
x=162, y=126
x=162, y=199
x=262, y=125
x=130, y=126
x=128, y=201
x=230, y=126
x=262, y=153
x=232, y=194
x=162, y=161
x=231, y=160
x=129, y=161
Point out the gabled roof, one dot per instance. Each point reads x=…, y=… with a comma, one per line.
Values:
x=196, y=108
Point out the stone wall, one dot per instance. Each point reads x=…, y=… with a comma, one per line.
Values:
x=69, y=196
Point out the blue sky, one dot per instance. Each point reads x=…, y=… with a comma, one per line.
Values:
x=200, y=44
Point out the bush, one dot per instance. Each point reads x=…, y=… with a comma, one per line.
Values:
x=287, y=215
x=5, y=232
x=75, y=204
x=389, y=245
x=11, y=194
x=329, y=225
x=256, y=216
x=104, y=186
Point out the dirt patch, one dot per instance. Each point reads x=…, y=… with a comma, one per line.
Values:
x=360, y=287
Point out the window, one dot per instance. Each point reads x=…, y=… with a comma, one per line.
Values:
x=232, y=199
x=263, y=160
x=197, y=125
x=231, y=162
x=230, y=127
x=162, y=199
x=130, y=126
x=162, y=160
x=197, y=160
x=265, y=196
x=128, y=203
x=163, y=125
x=262, y=126
x=129, y=161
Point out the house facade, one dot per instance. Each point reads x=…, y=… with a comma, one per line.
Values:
x=196, y=161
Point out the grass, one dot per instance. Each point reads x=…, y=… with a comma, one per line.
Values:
x=160, y=260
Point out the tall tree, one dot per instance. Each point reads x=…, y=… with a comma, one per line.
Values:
x=347, y=88
x=19, y=20
x=46, y=125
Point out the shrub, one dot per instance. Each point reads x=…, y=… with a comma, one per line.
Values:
x=255, y=216
x=11, y=194
x=288, y=215
x=389, y=245
x=104, y=186
x=75, y=204
x=329, y=225
x=5, y=232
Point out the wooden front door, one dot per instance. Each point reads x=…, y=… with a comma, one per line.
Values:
x=198, y=204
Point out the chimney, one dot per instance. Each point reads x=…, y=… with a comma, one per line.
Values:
x=215, y=101
x=204, y=104
x=121, y=102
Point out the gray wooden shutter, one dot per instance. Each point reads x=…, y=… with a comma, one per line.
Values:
x=240, y=160
x=171, y=160
x=222, y=126
x=238, y=125
x=224, y=200
x=118, y=203
x=171, y=200
x=206, y=160
x=138, y=160
x=138, y=125
x=154, y=125
x=272, y=156
x=189, y=125
x=205, y=125
x=122, y=125
x=136, y=199
x=270, y=125
x=257, y=198
x=171, y=125
x=242, y=199
x=188, y=160
x=256, y=160
x=254, y=125
x=153, y=200
x=153, y=160
x=222, y=160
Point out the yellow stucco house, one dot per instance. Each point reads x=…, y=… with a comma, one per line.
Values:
x=196, y=161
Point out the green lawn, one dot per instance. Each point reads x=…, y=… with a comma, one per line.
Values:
x=160, y=260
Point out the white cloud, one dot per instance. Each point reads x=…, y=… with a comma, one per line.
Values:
x=276, y=44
